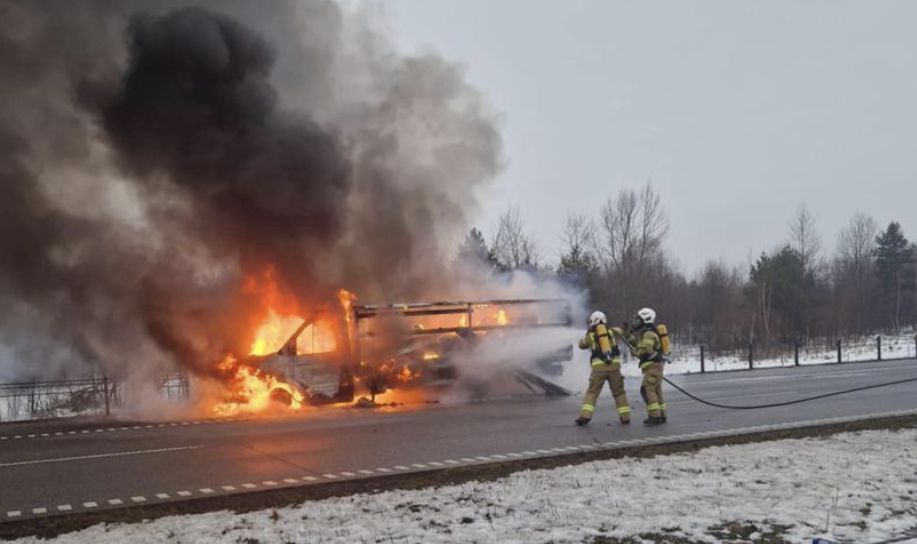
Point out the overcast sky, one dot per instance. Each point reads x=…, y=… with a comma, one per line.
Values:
x=737, y=111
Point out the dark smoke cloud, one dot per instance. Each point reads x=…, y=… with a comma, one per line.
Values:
x=156, y=155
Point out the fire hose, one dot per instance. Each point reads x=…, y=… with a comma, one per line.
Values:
x=788, y=402
x=776, y=404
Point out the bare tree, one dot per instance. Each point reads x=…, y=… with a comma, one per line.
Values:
x=578, y=237
x=857, y=241
x=804, y=238
x=618, y=222
x=632, y=225
x=512, y=246
x=654, y=225
x=577, y=261
x=853, y=272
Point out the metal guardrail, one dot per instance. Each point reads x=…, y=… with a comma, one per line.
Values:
x=23, y=401
x=881, y=348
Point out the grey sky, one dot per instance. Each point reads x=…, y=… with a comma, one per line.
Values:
x=737, y=111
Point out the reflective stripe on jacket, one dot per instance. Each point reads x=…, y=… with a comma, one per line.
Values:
x=647, y=347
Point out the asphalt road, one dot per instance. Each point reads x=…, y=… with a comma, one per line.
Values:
x=50, y=468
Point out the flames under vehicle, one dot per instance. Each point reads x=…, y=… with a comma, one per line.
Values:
x=340, y=352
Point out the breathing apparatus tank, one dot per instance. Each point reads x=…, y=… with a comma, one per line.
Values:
x=664, y=341
x=603, y=338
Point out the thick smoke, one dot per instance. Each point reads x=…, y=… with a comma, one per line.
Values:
x=156, y=158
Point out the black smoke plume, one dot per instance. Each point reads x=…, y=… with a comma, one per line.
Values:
x=155, y=158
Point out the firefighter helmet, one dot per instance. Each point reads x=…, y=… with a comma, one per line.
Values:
x=596, y=318
x=646, y=316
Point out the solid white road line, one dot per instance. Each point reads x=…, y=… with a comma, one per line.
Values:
x=97, y=456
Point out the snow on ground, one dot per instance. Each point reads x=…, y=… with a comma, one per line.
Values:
x=852, y=487
x=686, y=359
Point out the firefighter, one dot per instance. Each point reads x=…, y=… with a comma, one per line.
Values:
x=649, y=346
x=606, y=367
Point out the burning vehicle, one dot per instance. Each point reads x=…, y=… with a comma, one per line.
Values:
x=341, y=351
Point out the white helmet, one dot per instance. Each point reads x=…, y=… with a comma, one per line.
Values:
x=647, y=316
x=596, y=318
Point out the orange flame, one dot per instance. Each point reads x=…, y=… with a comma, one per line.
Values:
x=501, y=317
x=347, y=299
x=273, y=333
x=248, y=389
x=253, y=390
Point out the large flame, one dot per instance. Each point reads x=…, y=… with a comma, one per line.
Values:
x=248, y=388
x=253, y=391
x=273, y=333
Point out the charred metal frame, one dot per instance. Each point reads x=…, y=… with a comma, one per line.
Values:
x=363, y=312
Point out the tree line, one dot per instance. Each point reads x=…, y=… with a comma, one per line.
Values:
x=794, y=293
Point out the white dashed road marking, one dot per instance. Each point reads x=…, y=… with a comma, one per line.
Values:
x=468, y=460
x=96, y=456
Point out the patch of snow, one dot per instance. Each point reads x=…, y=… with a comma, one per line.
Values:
x=851, y=487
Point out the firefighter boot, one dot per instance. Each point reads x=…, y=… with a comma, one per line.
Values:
x=652, y=421
x=581, y=421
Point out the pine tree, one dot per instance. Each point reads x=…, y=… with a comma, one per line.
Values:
x=474, y=249
x=894, y=272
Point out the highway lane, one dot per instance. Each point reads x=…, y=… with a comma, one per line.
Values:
x=59, y=467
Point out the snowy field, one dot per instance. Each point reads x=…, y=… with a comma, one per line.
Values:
x=852, y=487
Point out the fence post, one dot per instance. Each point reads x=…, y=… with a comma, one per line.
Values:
x=105, y=392
x=879, y=347
x=839, y=350
x=702, y=357
x=751, y=356
x=796, y=353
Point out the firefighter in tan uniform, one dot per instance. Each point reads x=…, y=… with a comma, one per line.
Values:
x=606, y=367
x=649, y=343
